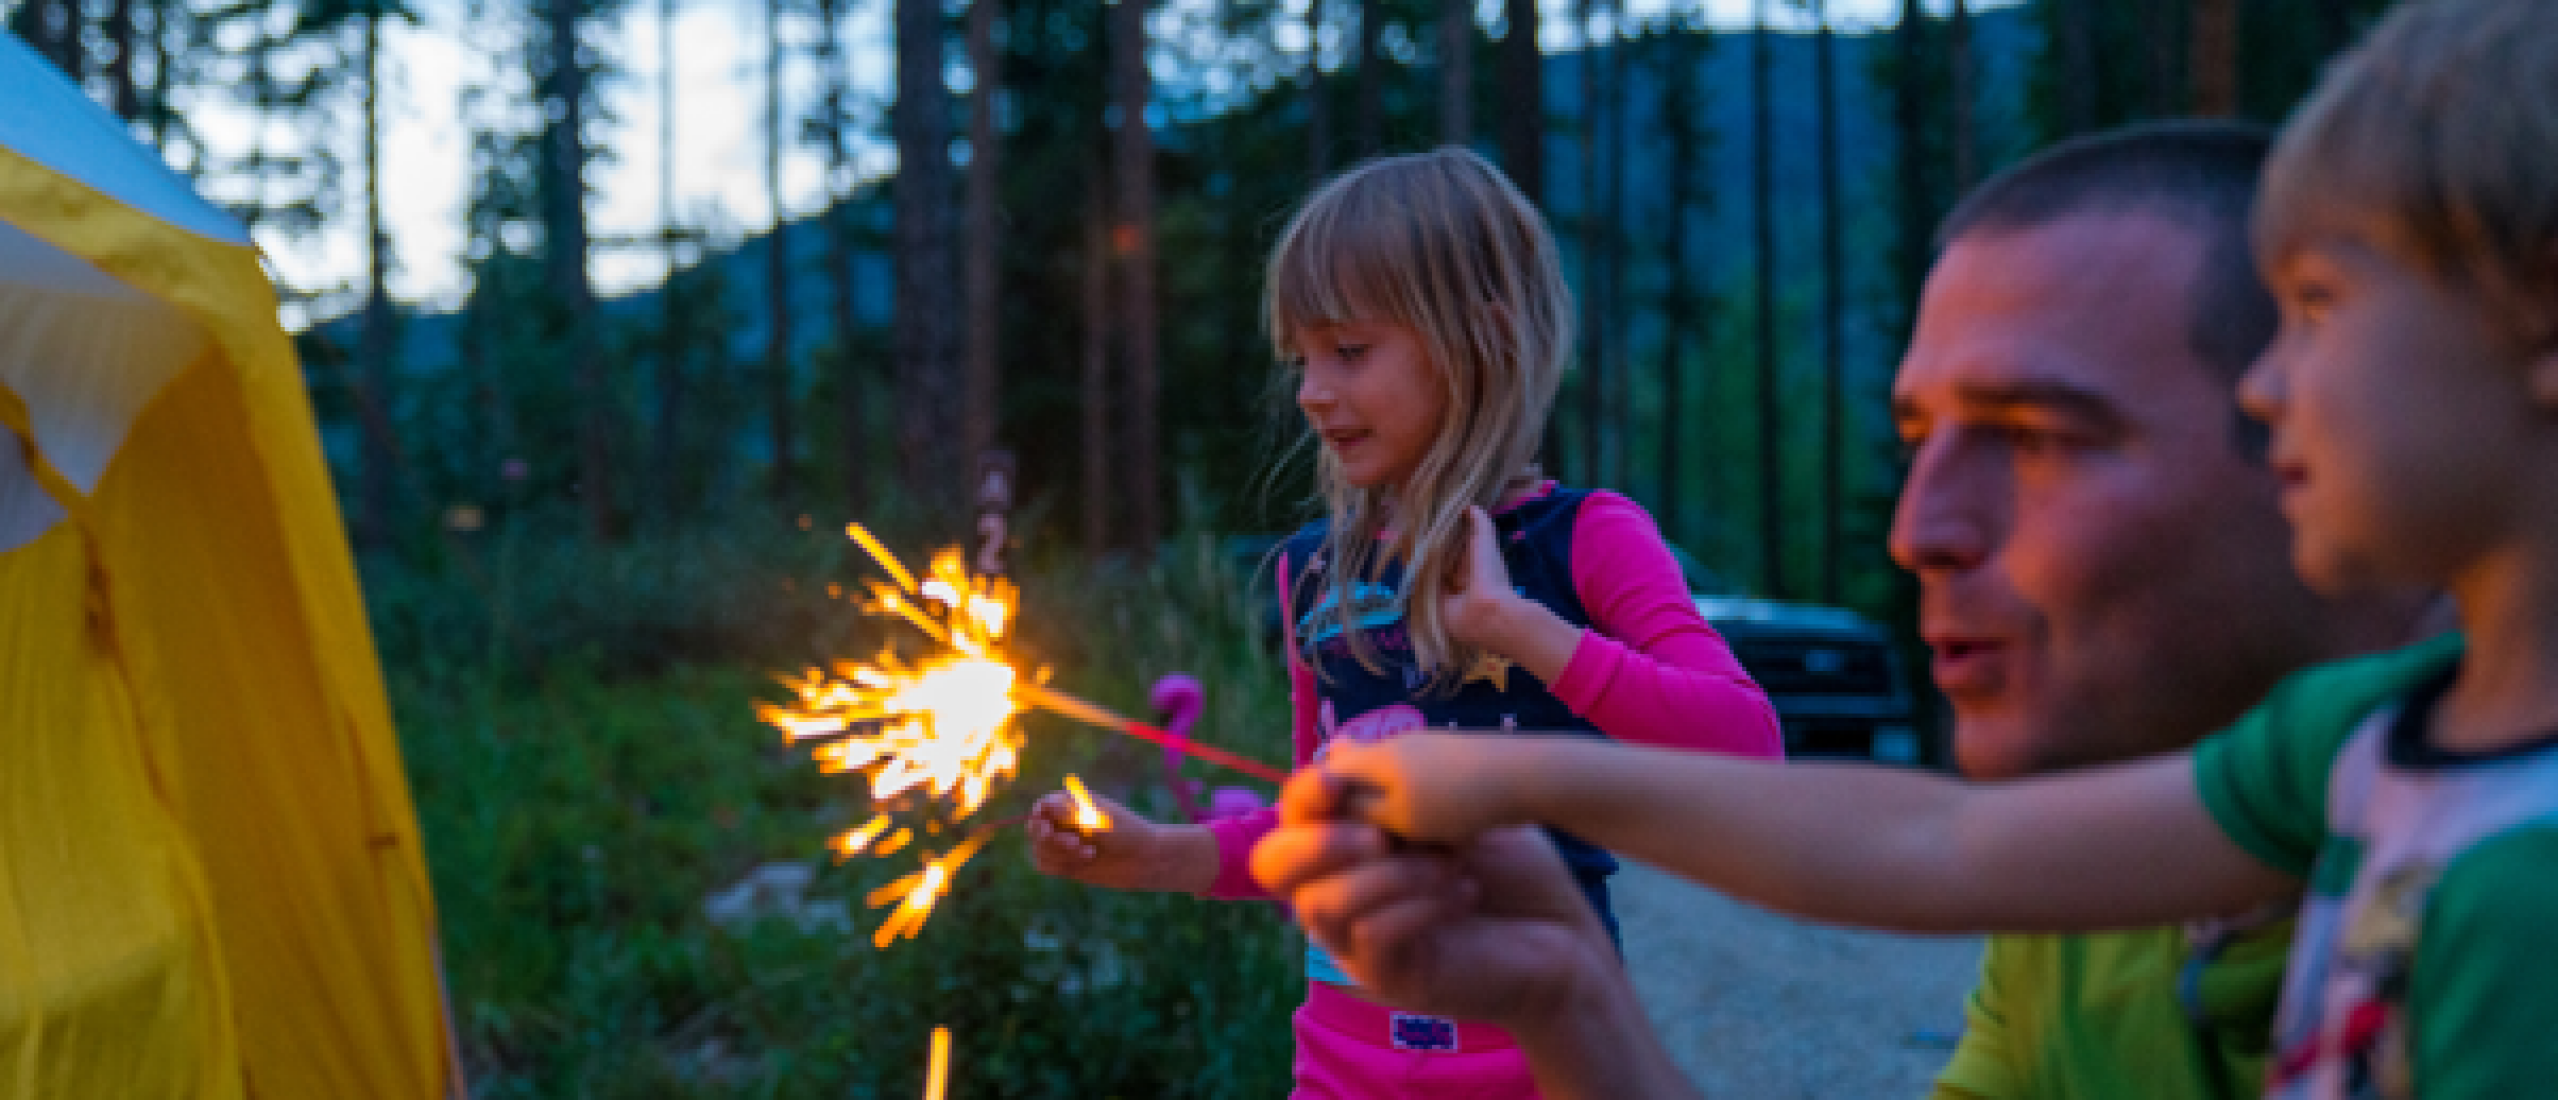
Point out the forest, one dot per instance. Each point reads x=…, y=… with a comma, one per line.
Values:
x=593, y=526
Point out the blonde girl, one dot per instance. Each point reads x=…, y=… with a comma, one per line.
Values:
x=1417, y=303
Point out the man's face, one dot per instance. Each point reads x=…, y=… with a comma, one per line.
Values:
x=2102, y=574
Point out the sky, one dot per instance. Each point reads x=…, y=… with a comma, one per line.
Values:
x=718, y=177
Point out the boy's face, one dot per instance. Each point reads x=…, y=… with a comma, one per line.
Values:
x=2403, y=423
x=1368, y=390
x=2102, y=574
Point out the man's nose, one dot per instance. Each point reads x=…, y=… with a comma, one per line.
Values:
x=1948, y=514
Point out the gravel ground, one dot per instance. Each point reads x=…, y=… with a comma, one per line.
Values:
x=1764, y=1007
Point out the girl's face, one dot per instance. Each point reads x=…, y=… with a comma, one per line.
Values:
x=2401, y=414
x=1371, y=393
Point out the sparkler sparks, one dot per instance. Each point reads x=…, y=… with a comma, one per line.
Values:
x=934, y=732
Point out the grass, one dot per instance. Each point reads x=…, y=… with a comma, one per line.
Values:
x=579, y=731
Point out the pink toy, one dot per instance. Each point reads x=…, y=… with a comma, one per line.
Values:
x=1179, y=699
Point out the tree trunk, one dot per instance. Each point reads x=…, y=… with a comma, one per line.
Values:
x=52, y=29
x=1763, y=225
x=373, y=342
x=1679, y=112
x=2166, y=44
x=667, y=433
x=2078, y=51
x=1833, y=288
x=1456, y=71
x=1965, y=93
x=1134, y=154
x=127, y=100
x=984, y=150
x=1587, y=395
x=779, y=328
x=1318, y=106
x=1610, y=289
x=1522, y=66
x=927, y=279
x=2214, y=61
x=2335, y=26
x=564, y=97
x=851, y=395
x=1370, y=127
x=159, y=115
x=1096, y=363
x=1909, y=125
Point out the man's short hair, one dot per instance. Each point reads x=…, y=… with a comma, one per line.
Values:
x=2436, y=139
x=2197, y=174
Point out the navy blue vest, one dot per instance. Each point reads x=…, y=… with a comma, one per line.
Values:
x=1367, y=704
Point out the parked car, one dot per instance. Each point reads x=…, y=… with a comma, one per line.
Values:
x=1832, y=673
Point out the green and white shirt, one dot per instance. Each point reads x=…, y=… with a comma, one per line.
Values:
x=2423, y=965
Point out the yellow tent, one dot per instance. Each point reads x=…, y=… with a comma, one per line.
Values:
x=210, y=876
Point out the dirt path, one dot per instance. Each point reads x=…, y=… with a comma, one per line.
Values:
x=1762, y=1007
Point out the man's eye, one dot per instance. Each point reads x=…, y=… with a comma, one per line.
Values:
x=2312, y=302
x=1350, y=353
x=2027, y=439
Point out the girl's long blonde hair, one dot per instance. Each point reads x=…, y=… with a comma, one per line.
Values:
x=1439, y=242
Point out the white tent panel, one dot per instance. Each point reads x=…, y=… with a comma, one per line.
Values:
x=86, y=354
x=45, y=119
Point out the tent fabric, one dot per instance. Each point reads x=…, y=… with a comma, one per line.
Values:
x=211, y=879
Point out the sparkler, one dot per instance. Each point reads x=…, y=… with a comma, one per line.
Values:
x=937, y=1071
x=935, y=733
x=1050, y=700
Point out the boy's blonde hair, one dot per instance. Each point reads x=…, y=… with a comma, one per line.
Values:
x=2436, y=139
x=1442, y=243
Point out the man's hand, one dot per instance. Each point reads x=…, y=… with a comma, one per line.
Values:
x=1493, y=928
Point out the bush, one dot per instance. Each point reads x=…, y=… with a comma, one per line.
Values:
x=578, y=812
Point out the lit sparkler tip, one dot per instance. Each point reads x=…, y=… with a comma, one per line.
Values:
x=1088, y=817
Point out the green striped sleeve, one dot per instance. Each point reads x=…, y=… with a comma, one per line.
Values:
x=2264, y=779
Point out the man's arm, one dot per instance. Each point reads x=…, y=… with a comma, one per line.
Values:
x=1882, y=847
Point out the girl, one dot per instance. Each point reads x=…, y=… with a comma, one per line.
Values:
x=1418, y=302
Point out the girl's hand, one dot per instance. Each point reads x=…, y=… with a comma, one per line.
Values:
x=1429, y=787
x=1481, y=602
x=1132, y=854
x=1484, y=610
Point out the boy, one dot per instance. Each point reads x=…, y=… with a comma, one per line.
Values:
x=2410, y=230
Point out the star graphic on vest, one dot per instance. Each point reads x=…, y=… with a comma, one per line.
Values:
x=1492, y=668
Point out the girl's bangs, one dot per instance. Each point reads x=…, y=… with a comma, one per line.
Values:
x=1337, y=267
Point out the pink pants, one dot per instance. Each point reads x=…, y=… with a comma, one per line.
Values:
x=1352, y=1049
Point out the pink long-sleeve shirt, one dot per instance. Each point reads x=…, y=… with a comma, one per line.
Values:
x=1650, y=670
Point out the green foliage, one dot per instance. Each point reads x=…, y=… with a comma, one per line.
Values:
x=585, y=783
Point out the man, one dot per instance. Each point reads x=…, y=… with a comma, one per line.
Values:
x=2105, y=575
